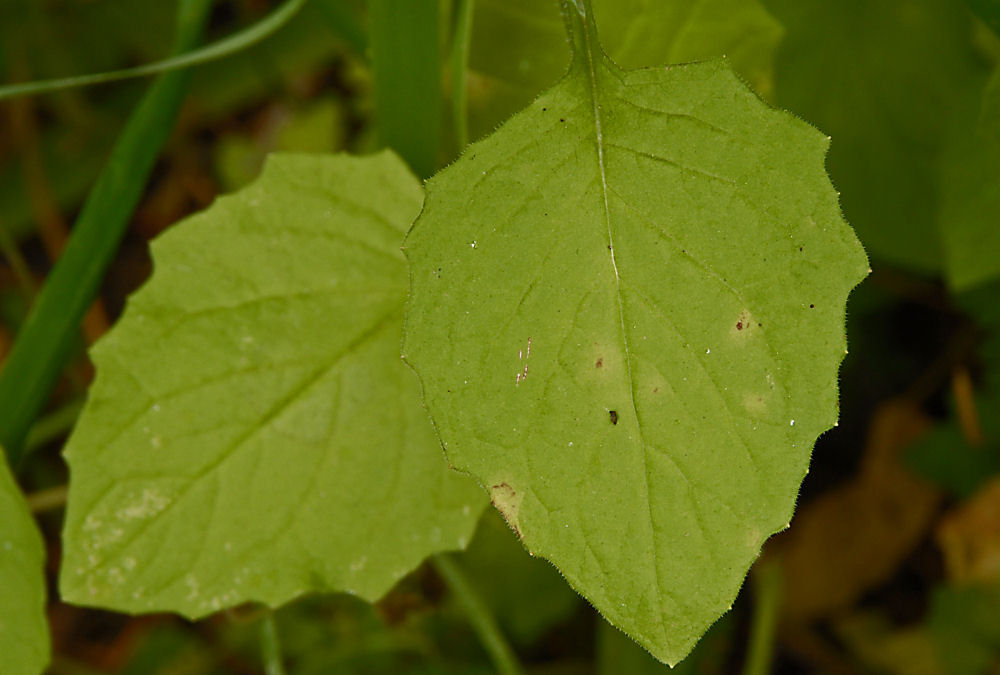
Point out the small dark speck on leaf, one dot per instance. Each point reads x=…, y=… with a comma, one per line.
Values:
x=600, y=362
x=739, y=325
x=562, y=119
x=800, y=248
x=811, y=306
x=544, y=109
x=656, y=390
x=760, y=325
x=613, y=414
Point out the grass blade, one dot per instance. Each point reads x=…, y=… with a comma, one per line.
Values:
x=407, y=65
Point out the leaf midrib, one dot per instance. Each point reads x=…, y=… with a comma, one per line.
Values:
x=590, y=48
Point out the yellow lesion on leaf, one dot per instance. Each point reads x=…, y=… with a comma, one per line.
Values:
x=755, y=403
x=507, y=500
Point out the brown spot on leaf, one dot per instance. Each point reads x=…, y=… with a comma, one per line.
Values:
x=741, y=329
x=600, y=362
x=613, y=414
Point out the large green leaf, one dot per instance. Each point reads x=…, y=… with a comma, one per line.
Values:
x=24, y=635
x=627, y=312
x=885, y=79
x=252, y=433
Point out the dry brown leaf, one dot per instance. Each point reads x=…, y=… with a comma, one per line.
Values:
x=969, y=537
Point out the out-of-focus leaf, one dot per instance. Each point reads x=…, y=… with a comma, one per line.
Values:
x=314, y=128
x=970, y=207
x=304, y=45
x=960, y=635
x=252, y=433
x=518, y=48
x=526, y=594
x=988, y=11
x=944, y=457
x=57, y=39
x=639, y=33
x=965, y=628
x=885, y=80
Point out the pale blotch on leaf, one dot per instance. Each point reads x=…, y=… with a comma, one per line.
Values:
x=755, y=404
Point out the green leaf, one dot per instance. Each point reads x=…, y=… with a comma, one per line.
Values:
x=252, y=433
x=971, y=196
x=627, y=313
x=24, y=634
x=885, y=79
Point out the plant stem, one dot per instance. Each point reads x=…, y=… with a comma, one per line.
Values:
x=766, y=579
x=460, y=36
x=183, y=59
x=581, y=29
x=53, y=425
x=48, y=499
x=45, y=340
x=270, y=646
x=478, y=614
x=407, y=67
